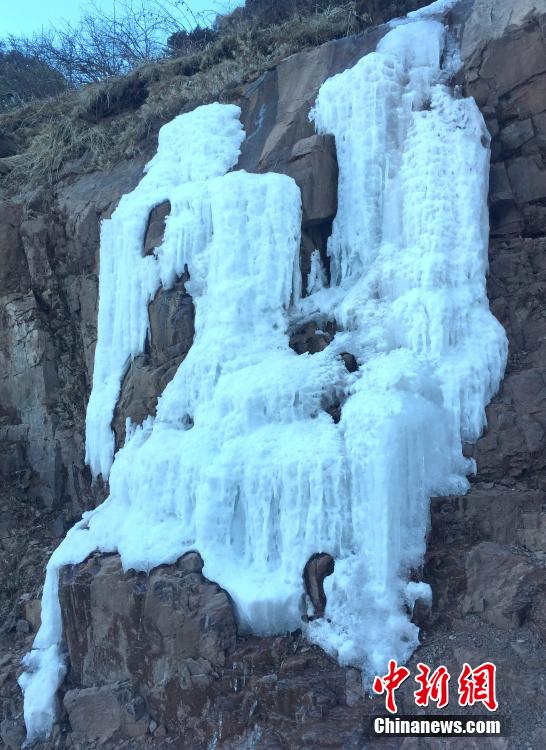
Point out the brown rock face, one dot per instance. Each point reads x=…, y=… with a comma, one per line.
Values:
x=48, y=303
x=173, y=608
x=485, y=559
x=164, y=632
x=98, y=713
x=156, y=227
x=313, y=165
x=518, y=584
x=164, y=645
x=171, y=318
x=514, y=105
x=275, y=109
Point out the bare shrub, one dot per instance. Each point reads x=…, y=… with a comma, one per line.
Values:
x=118, y=117
x=105, y=44
x=185, y=42
x=25, y=77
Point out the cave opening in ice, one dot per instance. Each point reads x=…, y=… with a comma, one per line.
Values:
x=242, y=462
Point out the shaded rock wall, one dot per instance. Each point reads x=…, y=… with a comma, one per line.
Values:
x=513, y=100
x=48, y=303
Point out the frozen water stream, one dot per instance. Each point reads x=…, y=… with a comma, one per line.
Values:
x=261, y=477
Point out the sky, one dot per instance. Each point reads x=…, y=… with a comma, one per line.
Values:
x=33, y=15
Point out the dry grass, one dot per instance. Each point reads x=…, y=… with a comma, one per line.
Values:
x=66, y=132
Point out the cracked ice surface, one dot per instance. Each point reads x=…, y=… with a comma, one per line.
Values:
x=261, y=477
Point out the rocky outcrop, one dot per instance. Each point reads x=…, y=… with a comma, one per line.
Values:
x=48, y=299
x=312, y=338
x=171, y=320
x=513, y=102
x=151, y=640
x=275, y=108
x=491, y=21
x=99, y=713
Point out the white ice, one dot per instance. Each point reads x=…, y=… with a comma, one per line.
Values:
x=192, y=149
x=437, y=8
x=242, y=461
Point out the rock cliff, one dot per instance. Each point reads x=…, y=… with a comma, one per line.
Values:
x=155, y=659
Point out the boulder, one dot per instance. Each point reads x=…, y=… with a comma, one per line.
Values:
x=311, y=338
x=98, y=713
x=165, y=631
x=107, y=612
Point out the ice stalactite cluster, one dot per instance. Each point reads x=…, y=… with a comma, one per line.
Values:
x=242, y=461
x=408, y=262
x=192, y=150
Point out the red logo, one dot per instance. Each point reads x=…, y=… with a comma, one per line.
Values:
x=389, y=683
x=475, y=685
x=478, y=686
x=433, y=687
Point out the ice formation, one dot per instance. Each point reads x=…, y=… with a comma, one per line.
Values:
x=242, y=462
x=192, y=149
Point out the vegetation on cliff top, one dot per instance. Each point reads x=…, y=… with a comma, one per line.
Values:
x=79, y=128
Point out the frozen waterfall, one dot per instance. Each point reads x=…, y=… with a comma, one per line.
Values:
x=261, y=477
